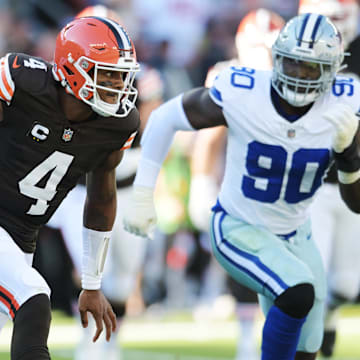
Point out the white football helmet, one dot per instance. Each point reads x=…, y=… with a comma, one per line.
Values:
x=343, y=13
x=308, y=41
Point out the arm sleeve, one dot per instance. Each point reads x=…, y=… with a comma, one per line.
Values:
x=157, y=139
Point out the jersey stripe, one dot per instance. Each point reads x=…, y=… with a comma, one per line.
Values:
x=9, y=301
x=245, y=262
x=122, y=39
x=316, y=27
x=215, y=95
x=303, y=29
x=7, y=86
x=309, y=30
x=129, y=141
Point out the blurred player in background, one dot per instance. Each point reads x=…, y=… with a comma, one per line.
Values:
x=255, y=35
x=127, y=252
x=285, y=127
x=336, y=229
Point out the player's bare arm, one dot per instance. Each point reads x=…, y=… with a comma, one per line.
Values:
x=201, y=110
x=99, y=216
x=100, y=206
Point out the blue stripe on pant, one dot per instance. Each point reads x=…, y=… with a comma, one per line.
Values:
x=244, y=267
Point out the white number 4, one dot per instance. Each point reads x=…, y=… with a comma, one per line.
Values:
x=35, y=64
x=57, y=163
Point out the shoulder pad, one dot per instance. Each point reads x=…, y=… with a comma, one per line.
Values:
x=27, y=72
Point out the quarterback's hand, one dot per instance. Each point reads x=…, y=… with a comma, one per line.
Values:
x=346, y=124
x=140, y=218
x=95, y=302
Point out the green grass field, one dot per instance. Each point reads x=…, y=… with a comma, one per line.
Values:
x=180, y=338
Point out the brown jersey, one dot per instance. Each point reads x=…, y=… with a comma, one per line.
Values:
x=42, y=155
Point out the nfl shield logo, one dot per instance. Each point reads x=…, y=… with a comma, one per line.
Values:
x=291, y=133
x=67, y=135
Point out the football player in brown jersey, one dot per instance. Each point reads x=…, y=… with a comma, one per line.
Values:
x=59, y=122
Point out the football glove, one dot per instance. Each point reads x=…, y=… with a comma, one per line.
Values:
x=203, y=193
x=345, y=122
x=140, y=218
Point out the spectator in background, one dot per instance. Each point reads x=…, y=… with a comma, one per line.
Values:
x=179, y=22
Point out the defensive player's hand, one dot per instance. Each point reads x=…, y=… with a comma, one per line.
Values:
x=140, y=218
x=203, y=193
x=94, y=301
x=346, y=124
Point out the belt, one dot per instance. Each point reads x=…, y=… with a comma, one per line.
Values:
x=286, y=236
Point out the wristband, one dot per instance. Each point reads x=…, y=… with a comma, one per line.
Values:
x=95, y=245
x=348, y=178
x=349, y=160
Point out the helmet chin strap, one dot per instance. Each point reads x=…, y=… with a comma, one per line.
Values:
x=298, y=99
x=103, y=108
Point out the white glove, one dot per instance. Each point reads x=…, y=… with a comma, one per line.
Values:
x=203, y=193
x=140, y=218
x=346, y=124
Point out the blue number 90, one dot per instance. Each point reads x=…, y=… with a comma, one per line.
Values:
x=266, y=167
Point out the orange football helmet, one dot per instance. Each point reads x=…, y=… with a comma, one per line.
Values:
x=87, y=45
x=255, y=35
x=343, y=13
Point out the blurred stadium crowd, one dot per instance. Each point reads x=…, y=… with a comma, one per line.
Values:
x=177, y=42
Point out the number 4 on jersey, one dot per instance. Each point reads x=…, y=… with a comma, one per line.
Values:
x=35, y=64
x=57, y=163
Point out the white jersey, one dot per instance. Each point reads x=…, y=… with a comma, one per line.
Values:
x=273, y=166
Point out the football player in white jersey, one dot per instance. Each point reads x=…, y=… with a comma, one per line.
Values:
x=336, y=229
x=285, y=127
x=256, y=34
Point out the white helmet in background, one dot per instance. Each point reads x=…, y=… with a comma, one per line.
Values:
x=255, y=35
x=308, y=42
x=343, y=13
